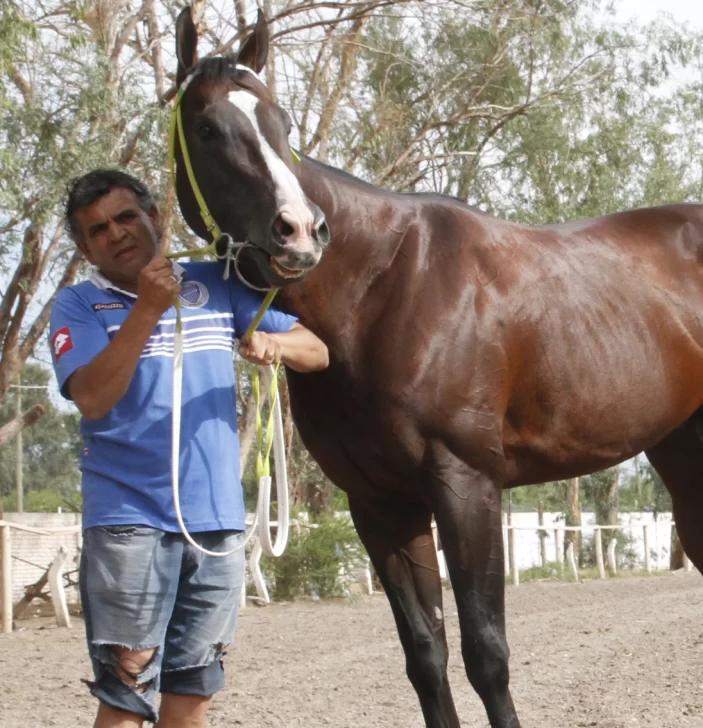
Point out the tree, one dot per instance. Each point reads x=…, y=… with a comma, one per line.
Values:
x=438, y=95
x=50, y=452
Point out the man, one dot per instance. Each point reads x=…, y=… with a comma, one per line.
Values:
x=158, y=613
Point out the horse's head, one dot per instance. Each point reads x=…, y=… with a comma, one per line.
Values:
x=237, y=141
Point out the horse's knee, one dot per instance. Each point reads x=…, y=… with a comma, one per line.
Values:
x=486, y=661
x=131, y=665
x=426, y=664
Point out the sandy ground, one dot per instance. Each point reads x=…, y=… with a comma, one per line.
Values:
x=614, y=654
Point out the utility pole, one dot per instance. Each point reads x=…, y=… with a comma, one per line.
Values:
x=18, y=454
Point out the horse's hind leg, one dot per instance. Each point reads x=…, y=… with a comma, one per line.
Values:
x=398, y=537
x=468, y=513
x=679, y=461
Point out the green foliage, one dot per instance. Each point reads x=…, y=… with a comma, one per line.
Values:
x=46, y=500
x=50, y=451
x=315, y=560
x=645, y=491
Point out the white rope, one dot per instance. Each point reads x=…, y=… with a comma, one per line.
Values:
x=263, y=508
x=262, y=515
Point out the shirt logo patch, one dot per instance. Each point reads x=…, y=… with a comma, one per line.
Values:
x=61, y=342
x=193, y=294
x=107, y=306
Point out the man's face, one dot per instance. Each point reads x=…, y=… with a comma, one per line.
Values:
x=118, y=236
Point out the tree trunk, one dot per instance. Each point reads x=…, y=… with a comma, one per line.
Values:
x=573, y=516
x=612, y=500
x=247, y=430
x=677, y=554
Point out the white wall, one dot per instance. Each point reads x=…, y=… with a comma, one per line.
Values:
x=40, y=550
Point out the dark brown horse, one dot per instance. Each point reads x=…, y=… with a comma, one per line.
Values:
x=468, y=355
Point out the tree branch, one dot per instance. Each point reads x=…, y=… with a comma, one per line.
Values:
x=11, y=429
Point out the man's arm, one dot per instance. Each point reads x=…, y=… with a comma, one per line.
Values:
x=97, y=387
x=297, y=348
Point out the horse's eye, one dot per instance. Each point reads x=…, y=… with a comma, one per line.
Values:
x=204, y=131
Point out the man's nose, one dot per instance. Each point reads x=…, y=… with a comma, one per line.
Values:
x=114, y=230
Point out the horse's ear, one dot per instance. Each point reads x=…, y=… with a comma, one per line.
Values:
x=255, y=49
x=186, y=44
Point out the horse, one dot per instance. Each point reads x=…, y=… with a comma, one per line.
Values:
x=468, y=354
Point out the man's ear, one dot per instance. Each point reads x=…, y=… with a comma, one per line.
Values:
x=255, y=49
x=155, y=217
x=186, y=44
x=82, y=246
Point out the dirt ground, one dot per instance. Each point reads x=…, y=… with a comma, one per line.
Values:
x=614, y=654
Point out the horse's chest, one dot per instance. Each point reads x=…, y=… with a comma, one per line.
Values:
x=359, y=438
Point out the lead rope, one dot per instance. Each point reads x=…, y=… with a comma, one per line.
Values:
x=274, y=428
x=270, y=438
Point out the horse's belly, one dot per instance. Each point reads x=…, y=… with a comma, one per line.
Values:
x=575, y=425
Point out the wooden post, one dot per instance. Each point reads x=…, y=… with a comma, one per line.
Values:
x=573, y=516
x=571, y=556
x=612, y=562
x=506, y=550
x=6, y=584
x=559, y=543
x=515, y=572
x=598, y=535
x=542, y=535
x=647, y=554
x=687, y=564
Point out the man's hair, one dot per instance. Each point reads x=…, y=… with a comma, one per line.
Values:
x=85, y=190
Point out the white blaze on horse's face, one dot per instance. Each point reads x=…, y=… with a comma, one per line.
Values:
x=292, y=205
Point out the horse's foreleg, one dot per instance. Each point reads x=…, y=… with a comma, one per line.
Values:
x=468, y=513
x=399, y=540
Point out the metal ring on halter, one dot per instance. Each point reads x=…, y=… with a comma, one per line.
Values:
x=235, y=259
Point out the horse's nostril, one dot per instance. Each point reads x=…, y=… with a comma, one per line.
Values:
x=322, y=233
x=283, y=228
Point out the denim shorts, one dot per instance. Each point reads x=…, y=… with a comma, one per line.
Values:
x=143, y=588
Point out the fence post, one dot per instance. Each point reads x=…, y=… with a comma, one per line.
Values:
x=612, y=562
x=506, y=550
x=599, y=552
x=6, y=584
x=687, y=565
x=571, y=556
x=559, y=545
x=647, y=554
x=515, y=572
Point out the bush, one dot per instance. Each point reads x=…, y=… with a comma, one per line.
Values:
x=45, y=501
x=316, y=559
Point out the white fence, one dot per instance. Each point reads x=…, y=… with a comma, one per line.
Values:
x=529, y=544
x=31, y=542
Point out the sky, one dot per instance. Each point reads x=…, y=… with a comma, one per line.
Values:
x=685, y=11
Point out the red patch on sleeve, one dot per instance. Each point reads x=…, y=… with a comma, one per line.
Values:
x=61, y=342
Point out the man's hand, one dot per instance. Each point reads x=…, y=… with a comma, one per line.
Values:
x=158, y=286
x=298, y=349
x=261, y=349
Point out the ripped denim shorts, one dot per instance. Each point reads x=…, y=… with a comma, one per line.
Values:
x=143, y=588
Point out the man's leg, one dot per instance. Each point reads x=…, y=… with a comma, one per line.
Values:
x=110, y=718
x=129, y=580
x=202, y=625
x=181, y=711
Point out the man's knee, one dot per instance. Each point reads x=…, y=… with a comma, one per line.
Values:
x=131, y=664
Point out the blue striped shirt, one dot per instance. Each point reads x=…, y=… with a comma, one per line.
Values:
x=126, y=455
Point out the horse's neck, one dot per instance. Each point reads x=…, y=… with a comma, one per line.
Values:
x=367, y=225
